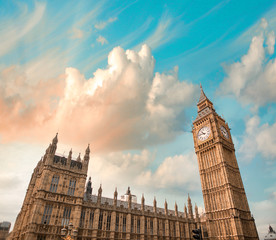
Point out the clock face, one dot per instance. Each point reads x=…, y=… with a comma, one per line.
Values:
x=203, y=133
x=224, y=132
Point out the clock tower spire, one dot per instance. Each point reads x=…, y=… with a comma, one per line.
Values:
x=227, y=210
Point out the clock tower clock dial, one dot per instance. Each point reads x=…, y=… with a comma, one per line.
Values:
x=224, y=132
x=203, y=133
x=227, y=210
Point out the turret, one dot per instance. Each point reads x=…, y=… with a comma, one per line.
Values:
x=185, y=211
x=190, y=207
x=115, y=198
x=196, y=213
x=53, y=146
x=176, y=209
x=143, y=203
x=166, y=207
x=89, y=187
x=154, y=205
x=69, y=158
x=87, y=155
x=99, y=194
x=129, y=200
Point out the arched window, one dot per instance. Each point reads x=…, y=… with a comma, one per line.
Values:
x=54, y=183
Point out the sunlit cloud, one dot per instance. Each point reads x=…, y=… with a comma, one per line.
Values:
x=258, y=139
x=252, y=79
x=125, y=101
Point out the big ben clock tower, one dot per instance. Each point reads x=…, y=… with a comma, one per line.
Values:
x=227, y=211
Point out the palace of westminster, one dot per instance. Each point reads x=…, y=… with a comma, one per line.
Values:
x=59, y=194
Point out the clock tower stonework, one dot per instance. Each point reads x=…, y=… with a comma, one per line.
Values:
x=227, y=210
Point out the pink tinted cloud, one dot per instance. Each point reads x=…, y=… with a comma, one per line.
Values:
x=123, y=106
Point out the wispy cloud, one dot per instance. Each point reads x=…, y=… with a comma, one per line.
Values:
x=167, y=29
x=76, y=33
x=102, y=40
x=18, y=27
x=103, y=24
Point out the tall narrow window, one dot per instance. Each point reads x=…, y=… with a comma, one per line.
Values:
x=108, y=221
x=151, y=226
x=164, y=228
x=124, y=224
x=132, y=223
x=91, y=219
x=66, y=216
x=100, y=221
x=146, y=225
x=82, y=218
x=174, y=230
x=117, y=223
x=47, y=214
x=138, y=225
x=54, y=183
x=72, y=186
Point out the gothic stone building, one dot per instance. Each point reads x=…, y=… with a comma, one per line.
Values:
x=57, y=195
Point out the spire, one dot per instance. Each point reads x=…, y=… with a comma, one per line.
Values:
x=128, y=191
x=53, y=146
x=202, y=95
x=55, y=139
x=87, y=151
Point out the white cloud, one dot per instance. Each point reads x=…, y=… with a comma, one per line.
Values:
x=259, y=139
x=13, y=31
x=252, y=79
x=170, y=174
x=121, y=170
x=124, y=106
x=102, y=40
x=103, y=24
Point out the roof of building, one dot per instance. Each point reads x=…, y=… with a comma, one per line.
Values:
x=124, y=204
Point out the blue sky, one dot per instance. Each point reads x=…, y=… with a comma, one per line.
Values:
x=124, y=76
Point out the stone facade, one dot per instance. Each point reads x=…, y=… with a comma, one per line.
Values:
x=227, y=211
x=57, y=195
